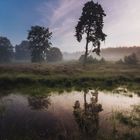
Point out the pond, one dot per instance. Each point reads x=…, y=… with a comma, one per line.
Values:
x=83, y=115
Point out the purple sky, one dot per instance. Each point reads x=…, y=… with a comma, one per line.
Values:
x=122, y=23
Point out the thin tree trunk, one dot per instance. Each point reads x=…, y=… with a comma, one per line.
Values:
x=86, y=52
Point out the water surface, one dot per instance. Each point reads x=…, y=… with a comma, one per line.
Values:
x=75, y=115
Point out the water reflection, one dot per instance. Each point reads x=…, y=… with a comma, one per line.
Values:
x=87, y=117
x=39, y=102
x=60, y=116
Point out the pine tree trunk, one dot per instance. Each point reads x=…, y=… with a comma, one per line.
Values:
x=86, y=52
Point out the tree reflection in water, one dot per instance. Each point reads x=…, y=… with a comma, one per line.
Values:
x=87, y=118
x=41, y=102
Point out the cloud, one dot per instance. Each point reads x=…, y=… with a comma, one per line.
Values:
x=62, y=22
x=122, y=26
x=121, y=23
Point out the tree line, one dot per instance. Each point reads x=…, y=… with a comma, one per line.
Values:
x=37, y=47
x=131, y=59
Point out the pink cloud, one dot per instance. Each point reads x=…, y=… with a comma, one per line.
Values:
x=121, y=23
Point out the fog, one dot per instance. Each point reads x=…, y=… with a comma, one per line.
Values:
x=109, y=54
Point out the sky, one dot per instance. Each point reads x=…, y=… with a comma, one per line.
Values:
x=122, y=23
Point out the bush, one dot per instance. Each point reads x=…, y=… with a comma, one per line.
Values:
x=120, y=62
x=102, y=60
x=131, y=59
x=91, y=60
x=54, y=55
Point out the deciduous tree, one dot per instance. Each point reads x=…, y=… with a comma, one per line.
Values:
x=54, y=55
x=6, y=50
x=22, y=51
x=39, y=42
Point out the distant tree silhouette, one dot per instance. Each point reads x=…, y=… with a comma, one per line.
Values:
x=39, y=42
x=91, y=60
x=120, y=61
x=131, y=59
x=91, y=24
x=22, y=51
x=6, y=50
x=102, y=61
x=54, y=54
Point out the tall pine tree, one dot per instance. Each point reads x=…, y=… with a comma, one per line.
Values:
x=91, y=24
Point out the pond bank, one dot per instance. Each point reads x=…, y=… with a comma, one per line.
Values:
x=65, y=76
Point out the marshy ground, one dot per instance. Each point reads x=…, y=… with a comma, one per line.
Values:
x=70, y=75
x=69, y=101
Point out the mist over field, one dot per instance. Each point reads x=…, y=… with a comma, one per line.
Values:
x=109, y=54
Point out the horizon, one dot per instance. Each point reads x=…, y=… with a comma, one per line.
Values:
x=119, y=47
x=61, y=16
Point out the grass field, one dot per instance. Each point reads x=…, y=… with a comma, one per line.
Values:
x=38, y=80
x=69, y=75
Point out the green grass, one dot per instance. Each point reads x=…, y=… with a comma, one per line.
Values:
x=71, y=75
x=41, y=79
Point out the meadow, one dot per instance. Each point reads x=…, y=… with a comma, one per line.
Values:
x=70, y=75
x=37, y=91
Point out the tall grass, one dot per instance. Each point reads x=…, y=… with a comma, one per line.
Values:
x=73, y=75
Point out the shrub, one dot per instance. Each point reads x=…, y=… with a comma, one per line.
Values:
x=131, y=59
x=120, y=62
x=91, y=60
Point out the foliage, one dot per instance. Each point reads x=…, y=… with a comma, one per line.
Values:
x=120, y=61
x=54, y=54
x=102, y=60
x=131, y=59
x=6, y=50
x=22, y=51
x=104, y=76
x=39, y=42
x=91, y=24
x=91, y=60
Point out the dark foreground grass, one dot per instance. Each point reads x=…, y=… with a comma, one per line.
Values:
x=66, y=76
